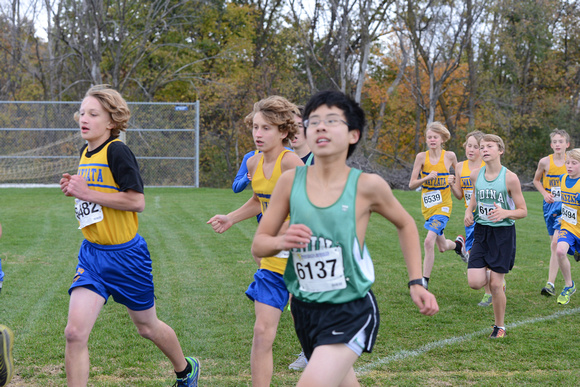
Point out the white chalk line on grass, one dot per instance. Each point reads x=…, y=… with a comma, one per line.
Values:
x=404, y=354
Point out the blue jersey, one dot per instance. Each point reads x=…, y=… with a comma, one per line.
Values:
x=241, y=180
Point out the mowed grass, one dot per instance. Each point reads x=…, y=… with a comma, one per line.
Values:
x=201, y=277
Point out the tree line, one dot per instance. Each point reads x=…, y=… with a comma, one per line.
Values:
x=510, y=67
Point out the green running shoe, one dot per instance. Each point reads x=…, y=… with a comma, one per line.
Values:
x=6, y=361
x=486, y=300
x=548, y=290
x=564, y=297
x=192, y=377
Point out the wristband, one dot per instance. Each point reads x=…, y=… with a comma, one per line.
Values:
x=418, y=281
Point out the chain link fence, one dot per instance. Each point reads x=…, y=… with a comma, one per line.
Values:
x=39, y=141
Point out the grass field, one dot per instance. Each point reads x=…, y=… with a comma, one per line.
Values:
x=200, y=281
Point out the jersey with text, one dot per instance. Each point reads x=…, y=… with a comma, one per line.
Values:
x=436, y=193
x=263, y=188
x=104, y=225
x=487, y=194
x=570, y=205
x=333, y=268
x=551, y=179
x=466, y=184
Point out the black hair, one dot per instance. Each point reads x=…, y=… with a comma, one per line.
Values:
x=301, y=110
x=354, y=114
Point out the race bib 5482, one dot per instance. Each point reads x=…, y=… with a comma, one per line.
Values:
x=87, y=213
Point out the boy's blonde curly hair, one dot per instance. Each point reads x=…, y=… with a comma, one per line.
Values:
x=112, y=102
x=277, y=111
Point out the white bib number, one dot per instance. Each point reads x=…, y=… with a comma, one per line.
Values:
x=467, y=194
x=557, y=194
x=484, y=209
x=432, y=198
x=87, y=213
x=569, y=215
x=283, y=254
x=320, y=270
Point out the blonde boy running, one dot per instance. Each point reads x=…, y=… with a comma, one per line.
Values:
x=273, y=123
x=113, y=259
x=497, y=201
x=547, y=181
x=569, y=236
x=330, y=271
x=431, y=172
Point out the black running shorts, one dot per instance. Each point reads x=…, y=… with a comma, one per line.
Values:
x=354, y=324
x=493, y=247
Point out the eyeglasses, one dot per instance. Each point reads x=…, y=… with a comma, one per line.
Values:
x=330, y=122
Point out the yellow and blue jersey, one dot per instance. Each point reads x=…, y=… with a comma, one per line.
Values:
x=570, y=205
x=466, y=183
x=263, y=188
x=116, y=226
x=551, y=179
x=436, y=193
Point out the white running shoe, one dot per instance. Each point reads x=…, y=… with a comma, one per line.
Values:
x=460, y=248
x=300, y=363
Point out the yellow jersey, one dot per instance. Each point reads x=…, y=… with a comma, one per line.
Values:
x=551, y=179
x=263, y=188
x=466, y=184
x=436, y=193
x=570, y=205
x=99, y=224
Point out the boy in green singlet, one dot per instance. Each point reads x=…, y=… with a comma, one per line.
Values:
x=329, y=271
x=497, y=201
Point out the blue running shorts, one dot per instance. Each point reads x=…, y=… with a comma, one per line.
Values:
x=122, y=271
x=268, y=288
x=469, y=237
x=436, y=223
x=552, y=216
x=572, y=240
